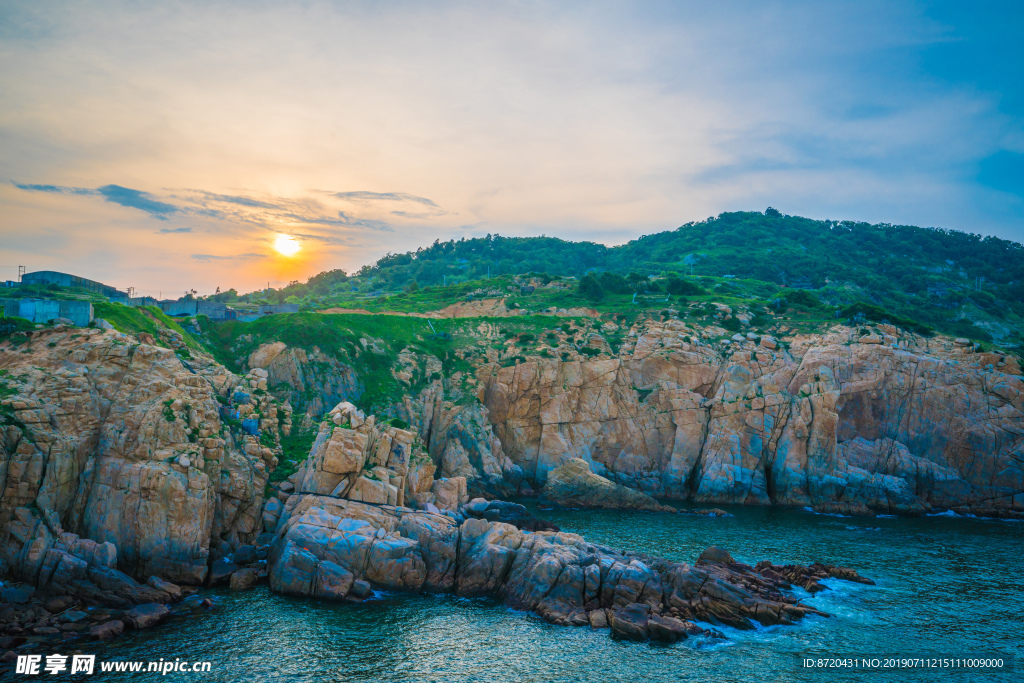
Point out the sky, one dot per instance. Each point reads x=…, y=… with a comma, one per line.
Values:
x=169, y=146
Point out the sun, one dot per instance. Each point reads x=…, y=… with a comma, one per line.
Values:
x=287, y=245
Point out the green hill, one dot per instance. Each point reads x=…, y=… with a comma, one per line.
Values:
x=954, y=282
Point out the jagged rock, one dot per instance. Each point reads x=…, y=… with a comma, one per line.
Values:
x=122, y=460
x=361, y=589
x=666, y=629
x=246, y=554
x=144, y=616
x=717, y=555
x=630, y=621
x=59, y=604
x=335, y=548
x=516, y=515
x=17, y=594
x=573, y=485
x=107, y=630
x=243, y=579
x=451, y=493
x=317, y=380
x=220, y=571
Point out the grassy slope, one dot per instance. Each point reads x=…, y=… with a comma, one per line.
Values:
x=149, y=319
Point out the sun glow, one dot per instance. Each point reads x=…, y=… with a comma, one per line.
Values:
x=287, y=245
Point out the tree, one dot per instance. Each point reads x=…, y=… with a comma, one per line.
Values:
x=637, y=282
x=591, y=288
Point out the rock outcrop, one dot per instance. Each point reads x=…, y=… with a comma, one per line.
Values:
x=459, y=440
x=905, y=425
x=573, y=485
x=123, y=443
x=355, y=458
x=310, y=381
x=325, y=547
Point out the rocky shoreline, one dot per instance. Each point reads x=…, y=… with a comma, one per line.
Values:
x=331, y=549
x=131, y=476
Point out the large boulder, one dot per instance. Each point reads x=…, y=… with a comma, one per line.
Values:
x=144, y=616
x=630, y=621
x=573, y=485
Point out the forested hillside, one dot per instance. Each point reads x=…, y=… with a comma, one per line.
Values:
x=956, y=282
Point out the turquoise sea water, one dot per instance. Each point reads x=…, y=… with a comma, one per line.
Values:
x=947, y=587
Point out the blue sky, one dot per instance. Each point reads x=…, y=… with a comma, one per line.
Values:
x=139, y=144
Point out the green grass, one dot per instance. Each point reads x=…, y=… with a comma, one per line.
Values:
x=294, y=450
x=14, y=326
x=149, y=319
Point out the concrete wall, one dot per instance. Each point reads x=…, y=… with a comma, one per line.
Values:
x=215, y=311
x=179, y=307
x=45, y=310
x=268, y=309
x=211, y=309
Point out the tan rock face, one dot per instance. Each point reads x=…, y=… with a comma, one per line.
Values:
x=573, y=485
x=323, y=546
x=119, y=442
x=459, y=439
x=355, y=458
x=902, y=426
x=317, y=380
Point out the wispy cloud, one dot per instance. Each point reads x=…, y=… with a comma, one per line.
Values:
x=226, y=257
x=55, y=189
x=116, y=194
x=136, y=199
x=198, y=197
x=282, y=213
x=382, y=197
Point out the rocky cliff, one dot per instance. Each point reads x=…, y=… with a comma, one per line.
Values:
x=852, y=420
x=861, y=420
x=116, y=454
x=123, y=456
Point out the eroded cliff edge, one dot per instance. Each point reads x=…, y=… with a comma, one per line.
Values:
x=887, y=422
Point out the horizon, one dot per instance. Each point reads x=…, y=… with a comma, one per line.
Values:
x=225, y=146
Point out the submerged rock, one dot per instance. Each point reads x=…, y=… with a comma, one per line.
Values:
x=573, y=485
x=333, y=548
x=510, y=513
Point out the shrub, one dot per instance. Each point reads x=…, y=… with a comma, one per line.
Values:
x=799, y=297
x=682, y=287
x=591, y=288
